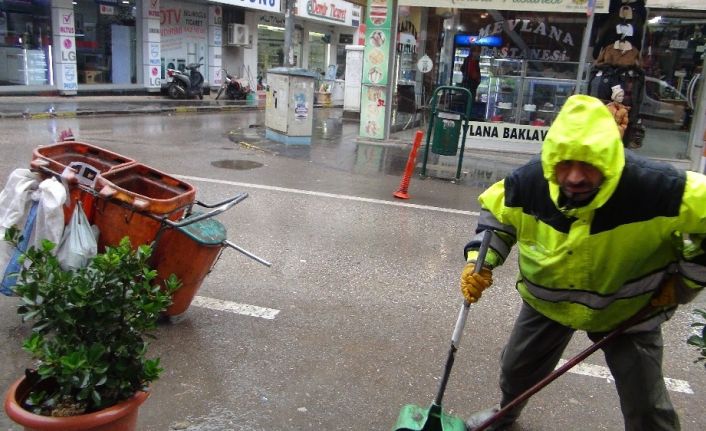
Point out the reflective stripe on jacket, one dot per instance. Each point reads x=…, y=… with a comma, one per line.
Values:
x=593, y=266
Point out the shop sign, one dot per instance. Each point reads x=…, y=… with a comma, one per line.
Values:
x=575, y=6
x=268, y=5
x=332, y=11
x=154, y=76
x=155, y=54
x=376, y=69
x=66, y=22
x=372, y=111
x=216, y=15
x=548, y=35
x=425, y=64
x=68, y=76
x=68, y=50
x=152, y=8
x=176, y=20
x=272, y=20
x=107, y=10
x=507, y=132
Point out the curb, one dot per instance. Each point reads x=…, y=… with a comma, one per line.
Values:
x=113, y=112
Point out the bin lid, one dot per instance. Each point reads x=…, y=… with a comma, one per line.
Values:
x=296, y=71
x=208, y=232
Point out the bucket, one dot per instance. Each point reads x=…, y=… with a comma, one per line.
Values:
x=189, y=252
x=54, y=159
x=133, y=199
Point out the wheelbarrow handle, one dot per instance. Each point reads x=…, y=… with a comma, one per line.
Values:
x=247, y=253
x=214, y=212
x=239, y=197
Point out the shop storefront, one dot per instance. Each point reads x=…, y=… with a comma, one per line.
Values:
x=183, y=35
x=322, y=29
x=25, y=43
x=535, y=63
x=530, y=58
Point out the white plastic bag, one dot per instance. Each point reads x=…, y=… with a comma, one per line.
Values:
x=78, y=244
x=15, y=201
x=50, y=214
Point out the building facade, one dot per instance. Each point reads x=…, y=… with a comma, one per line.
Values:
x=67, y=46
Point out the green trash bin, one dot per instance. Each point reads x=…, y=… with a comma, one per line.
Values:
x=447, y=129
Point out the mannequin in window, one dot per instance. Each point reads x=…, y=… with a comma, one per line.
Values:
x=619, y=111
x=471, y=71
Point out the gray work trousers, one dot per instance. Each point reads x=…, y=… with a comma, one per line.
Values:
x=635, y=360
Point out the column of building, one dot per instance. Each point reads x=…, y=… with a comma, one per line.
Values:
x=64, y=50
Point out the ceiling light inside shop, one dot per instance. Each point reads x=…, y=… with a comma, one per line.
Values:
x=655, y=20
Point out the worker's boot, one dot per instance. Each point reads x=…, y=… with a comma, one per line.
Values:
x=503, y=423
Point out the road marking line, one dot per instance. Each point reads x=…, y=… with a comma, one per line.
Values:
x=329, y=195
x=234, y=307
x=673, y=385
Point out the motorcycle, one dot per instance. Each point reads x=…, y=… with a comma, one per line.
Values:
x=186, y=86
x=234, y=88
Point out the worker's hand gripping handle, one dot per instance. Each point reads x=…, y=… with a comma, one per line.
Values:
x=461, y=321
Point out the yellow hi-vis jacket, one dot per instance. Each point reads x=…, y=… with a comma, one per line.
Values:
x=594, y=266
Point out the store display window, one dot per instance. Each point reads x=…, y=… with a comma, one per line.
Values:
x=270, y=45
x=105, y=42
x=25, y=42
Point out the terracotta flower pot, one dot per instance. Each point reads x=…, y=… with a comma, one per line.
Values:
x=120, y=417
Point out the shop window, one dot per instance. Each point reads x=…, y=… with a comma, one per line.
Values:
x=318, y=50
x=25, y=43
x=105, y=42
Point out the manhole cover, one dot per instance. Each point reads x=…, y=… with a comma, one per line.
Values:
x=240, y=165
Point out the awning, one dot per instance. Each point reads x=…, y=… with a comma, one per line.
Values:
x=574, y=6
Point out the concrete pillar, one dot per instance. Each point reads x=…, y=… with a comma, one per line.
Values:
x=64, y=49
x=215, y=45
x=150, y=59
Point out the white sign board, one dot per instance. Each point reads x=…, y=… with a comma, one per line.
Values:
x=268, y=5
x=425, y=64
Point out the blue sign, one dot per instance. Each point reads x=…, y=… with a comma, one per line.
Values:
x=470, y=40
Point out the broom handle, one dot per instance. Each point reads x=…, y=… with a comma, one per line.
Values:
x=461, y=322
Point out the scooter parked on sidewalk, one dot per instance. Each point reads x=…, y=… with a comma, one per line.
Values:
x=234, y=88
x=186, y=86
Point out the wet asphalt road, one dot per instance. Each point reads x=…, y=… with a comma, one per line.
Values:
x=366, y=289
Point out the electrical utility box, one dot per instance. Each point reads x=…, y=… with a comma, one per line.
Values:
x=289, y=115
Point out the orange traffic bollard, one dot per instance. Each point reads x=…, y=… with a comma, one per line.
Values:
x=409, y=169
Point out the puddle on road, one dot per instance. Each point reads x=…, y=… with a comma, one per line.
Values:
x=239, y=165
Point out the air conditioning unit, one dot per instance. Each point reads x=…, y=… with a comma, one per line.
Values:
x=238, y=34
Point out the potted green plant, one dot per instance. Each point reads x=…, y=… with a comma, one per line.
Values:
x=699, y=339
x=88, y=338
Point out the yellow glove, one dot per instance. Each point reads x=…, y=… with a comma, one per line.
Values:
x=666, y=296
x=473, y=285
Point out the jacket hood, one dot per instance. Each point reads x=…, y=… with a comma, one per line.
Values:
x=584, y=131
